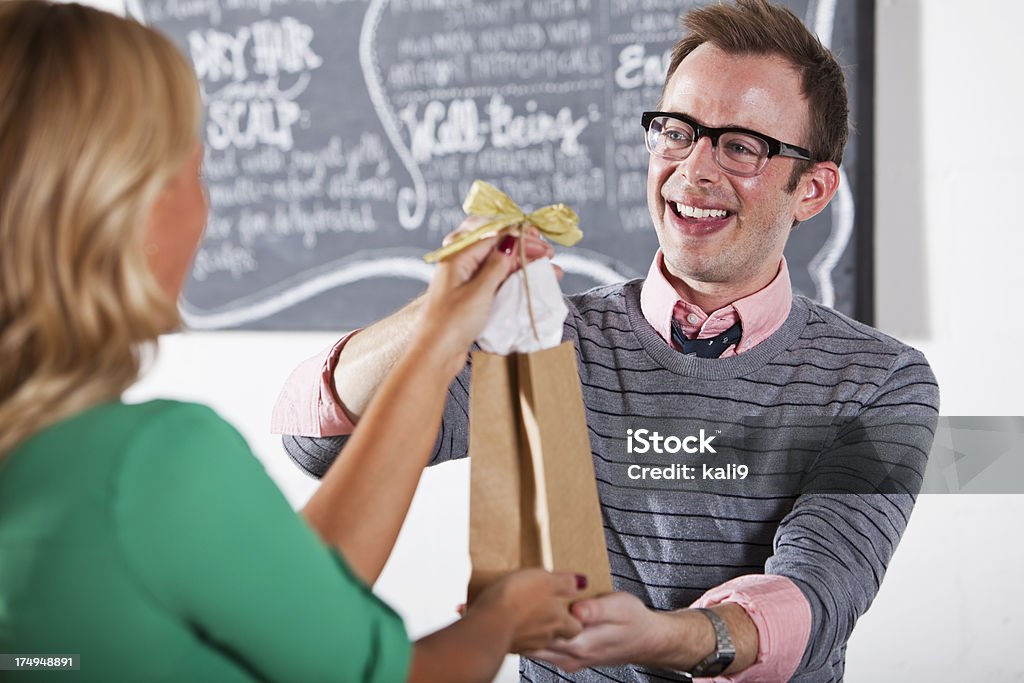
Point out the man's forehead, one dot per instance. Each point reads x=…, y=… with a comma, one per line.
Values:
x=746, y=90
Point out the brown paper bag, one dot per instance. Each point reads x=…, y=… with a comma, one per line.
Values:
x=533, y=495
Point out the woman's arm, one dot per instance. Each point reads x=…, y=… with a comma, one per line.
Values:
x=364, y=497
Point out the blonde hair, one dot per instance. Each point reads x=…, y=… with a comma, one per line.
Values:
x=97, y=113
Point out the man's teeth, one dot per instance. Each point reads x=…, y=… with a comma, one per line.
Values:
x=694, y=212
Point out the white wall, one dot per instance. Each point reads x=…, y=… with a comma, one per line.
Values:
x=949, y=237
x=949, y=607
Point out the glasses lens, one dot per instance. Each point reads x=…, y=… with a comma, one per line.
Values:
x=669, y=138
x=741, y=153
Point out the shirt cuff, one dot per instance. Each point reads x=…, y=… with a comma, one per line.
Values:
x=308, y=404
x=780, y=613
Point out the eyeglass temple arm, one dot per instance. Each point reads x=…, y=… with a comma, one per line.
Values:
x=794, y=152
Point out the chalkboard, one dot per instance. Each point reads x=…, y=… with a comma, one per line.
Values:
x=342, y=135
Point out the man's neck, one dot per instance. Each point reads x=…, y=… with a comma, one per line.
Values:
x=711, y=296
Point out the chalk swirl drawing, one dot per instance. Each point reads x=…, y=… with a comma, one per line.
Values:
x=288, y=294
x=332, y=275
x=824, y=261
x=415, y=196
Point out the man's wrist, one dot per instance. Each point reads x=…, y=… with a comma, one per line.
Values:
x=685, y=638
x=724, y=653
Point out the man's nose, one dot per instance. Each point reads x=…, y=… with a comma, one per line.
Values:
x=700, y=166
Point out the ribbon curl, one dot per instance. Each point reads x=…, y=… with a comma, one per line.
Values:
x=557, y=222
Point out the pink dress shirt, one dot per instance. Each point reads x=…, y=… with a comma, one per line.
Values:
x=761, y=313
x=308, y=405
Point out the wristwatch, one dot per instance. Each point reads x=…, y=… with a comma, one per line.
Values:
x=719, y=660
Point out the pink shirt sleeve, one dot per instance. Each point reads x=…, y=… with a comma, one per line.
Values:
x=308, y=404
x=782, y=616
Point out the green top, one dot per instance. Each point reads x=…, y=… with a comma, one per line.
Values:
x=149, y=540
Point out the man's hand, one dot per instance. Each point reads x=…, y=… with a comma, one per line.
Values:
x=617, y=629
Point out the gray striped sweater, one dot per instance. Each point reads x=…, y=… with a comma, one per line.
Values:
x=815, y=509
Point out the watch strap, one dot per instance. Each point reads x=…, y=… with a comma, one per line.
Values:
x=724, y=652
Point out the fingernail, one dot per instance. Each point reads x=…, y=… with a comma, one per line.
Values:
x=507, y=244
x=581, y=582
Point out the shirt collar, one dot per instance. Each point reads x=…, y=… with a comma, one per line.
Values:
x=761, y=313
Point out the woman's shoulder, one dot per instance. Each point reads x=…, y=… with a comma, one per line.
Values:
x=120, y=419
x=109, y=429
x=163, y=412
x=124, y=427
x=182, y=428
x=159, y=439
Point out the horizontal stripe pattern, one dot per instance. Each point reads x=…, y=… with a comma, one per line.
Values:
x=668, y=546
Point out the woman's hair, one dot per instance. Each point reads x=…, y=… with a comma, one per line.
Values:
x=97, y=113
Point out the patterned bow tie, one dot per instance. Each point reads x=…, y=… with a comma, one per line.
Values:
x=712, y=347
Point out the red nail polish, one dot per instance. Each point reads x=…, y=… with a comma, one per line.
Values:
x=507, y=244
x=581, y=582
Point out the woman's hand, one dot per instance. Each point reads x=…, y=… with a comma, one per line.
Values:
x=525, y=610
x=459, y=298
x=536, y=604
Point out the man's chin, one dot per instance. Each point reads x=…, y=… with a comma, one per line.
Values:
x=691, y=270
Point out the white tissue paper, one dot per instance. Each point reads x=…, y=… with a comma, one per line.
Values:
x=508, y=330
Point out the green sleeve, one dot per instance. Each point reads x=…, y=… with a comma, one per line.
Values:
x=216, y=543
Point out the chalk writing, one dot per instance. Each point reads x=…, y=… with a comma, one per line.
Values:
x=342, y=135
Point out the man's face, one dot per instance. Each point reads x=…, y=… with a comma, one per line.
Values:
x=741, y=251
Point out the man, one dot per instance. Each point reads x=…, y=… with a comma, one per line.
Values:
x=745, y=143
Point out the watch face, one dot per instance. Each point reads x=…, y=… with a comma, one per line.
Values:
x=712, y=665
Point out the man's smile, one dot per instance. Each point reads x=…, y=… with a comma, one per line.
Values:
x=695, y=218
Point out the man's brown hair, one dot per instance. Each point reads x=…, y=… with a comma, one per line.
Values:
x=757, y=27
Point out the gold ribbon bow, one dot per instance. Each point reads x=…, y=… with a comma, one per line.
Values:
x=557, y=222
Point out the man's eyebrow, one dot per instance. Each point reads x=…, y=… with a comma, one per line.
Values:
x=728, y=125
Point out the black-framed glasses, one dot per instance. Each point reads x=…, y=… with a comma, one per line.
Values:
x=738, y=151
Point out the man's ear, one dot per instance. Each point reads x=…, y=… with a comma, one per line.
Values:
x=815, y=190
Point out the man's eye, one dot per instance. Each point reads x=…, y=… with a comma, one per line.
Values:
x=678, y=136
x=739, y=149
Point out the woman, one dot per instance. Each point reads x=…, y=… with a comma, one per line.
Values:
x=146, y=538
